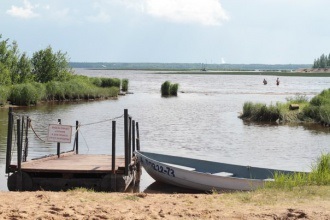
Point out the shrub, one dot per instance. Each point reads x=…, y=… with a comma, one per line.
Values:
x=110, y=82
x=96, y=81
x=324, y=114
x=321, y=99
x=54, y=91
x=124, y=85
x=319, y=108
x=27, y=93
x=174, y=89
x=4, y=94
x=165, y=88
x=169, y=89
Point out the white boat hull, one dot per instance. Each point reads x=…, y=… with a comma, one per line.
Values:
x=189, y=178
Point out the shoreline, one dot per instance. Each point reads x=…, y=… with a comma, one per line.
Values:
x=301, y=203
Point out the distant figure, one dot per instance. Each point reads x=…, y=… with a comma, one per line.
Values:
x=278, y=81
x=265, y=82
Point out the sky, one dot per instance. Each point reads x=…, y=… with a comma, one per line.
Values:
x=171, y=31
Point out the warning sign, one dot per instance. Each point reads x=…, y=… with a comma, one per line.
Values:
x=59, y=133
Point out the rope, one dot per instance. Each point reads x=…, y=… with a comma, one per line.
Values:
x=77, y=130
x=84, y=140
x=35, y=133
x=98, y=122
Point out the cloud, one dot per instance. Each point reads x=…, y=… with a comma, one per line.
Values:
x=23, y=12
x=204, y=12
x=102, y=15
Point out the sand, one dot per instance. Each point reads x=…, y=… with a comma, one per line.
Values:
x=79, y=204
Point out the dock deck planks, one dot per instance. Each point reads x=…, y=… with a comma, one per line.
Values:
x=75, y=163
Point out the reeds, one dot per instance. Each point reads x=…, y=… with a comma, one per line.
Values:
x=320, y=175
x=169, y=89
x=27, y=93
x=260, y=112
x=321, y=171
x=78, y=88
x=110, y=82
x=124, y=85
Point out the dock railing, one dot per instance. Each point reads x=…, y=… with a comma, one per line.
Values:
x=131, y=141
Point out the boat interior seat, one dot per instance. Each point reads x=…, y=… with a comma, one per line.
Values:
x=224, y=174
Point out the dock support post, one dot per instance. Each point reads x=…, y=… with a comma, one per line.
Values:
x=19, y=155
x=26, y=146
x=113, y=147
x=138, y=149
x=22, y=137
x=130, y=140
x=76, y=139
x=19, y=144
x=9, y=138
x=58, y=143
x=137, y=137
x=133, y=137
x=126, y=140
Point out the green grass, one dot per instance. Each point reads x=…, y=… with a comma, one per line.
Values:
x=317, y=110
x=77, y=88
x=320, y=175
x=260, y=112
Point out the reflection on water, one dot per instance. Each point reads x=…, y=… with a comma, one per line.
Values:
x=201, y=123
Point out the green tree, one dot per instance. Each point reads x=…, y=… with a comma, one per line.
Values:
x=48, y=66
x=4, y=75
x=5, y=70
x=12, y=61
x=15, y=68
x=24, y=69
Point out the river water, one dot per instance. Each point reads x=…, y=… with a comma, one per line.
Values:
x=201, y=122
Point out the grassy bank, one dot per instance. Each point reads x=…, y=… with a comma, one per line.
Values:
x=77, y=88
x=316, y=110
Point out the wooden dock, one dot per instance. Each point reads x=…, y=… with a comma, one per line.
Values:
x=68, y=170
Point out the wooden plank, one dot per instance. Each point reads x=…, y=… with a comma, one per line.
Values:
x=75, y=163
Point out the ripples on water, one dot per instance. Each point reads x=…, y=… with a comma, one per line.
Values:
x=202, y=122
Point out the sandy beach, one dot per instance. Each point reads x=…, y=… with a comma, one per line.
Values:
x=307, y=203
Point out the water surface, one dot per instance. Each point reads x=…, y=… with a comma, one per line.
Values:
x=201, y=122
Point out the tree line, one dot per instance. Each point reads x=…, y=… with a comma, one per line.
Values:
x=47, y=76
x=322, y=62
x=44, y=66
